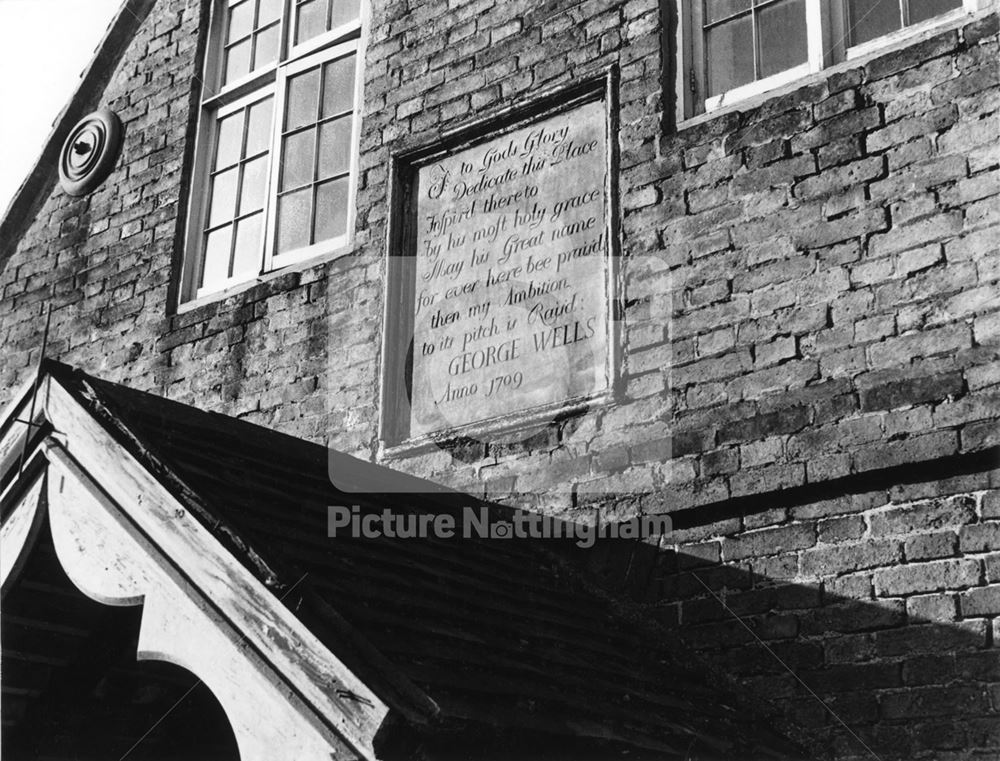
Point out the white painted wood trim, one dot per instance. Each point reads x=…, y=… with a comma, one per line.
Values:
x=19, y=531
x=273, y=260
x=20, y=396
x=109, y=560
x=13, y=430
x=826, y=53
x=213, y=120
x=814, y=35
x=908, y=33
x=757, y=86
x=307, y=667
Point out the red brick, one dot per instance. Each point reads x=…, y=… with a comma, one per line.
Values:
x=982, y=537
x=983, y=601
x=934, y=702
x=936, y=608
x=845, y=558
x=772, y=541
x=929, y=546
x=926, y=577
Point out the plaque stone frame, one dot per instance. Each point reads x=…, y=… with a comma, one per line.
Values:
x=398, y=350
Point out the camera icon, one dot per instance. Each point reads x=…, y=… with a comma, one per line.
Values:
x=501, y=530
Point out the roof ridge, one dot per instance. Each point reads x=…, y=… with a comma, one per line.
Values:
x=83, y=387
x=24, y=204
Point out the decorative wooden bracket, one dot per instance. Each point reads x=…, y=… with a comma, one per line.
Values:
x=123, y=538
x=110, y=561
x=20, y=529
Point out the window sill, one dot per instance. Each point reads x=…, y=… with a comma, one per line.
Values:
x=902, y=37
x=261, y=281
x=859, y=57
x=752, y=90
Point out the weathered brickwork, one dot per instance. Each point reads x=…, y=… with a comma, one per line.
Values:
x=884, y=602
x=810, y=295
x=103, y=262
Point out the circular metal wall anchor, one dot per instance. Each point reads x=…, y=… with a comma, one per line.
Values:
x=90, y=152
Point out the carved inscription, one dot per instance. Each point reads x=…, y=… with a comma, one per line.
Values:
x=511, y=300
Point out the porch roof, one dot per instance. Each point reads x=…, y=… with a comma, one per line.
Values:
x=504, y=643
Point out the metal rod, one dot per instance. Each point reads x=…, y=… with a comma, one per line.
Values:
x=34, y=390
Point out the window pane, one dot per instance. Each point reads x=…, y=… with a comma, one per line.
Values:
x=331, y=209
x=729, y=52
x=254, y=185
x=311, y=20
x=293, y=220
x=921, y=10
x=259, y=128
x=343, y=11
x=269, y=10
x=247, y=256
x=338, y=86
x=869, y=19
x=783, y=42
x=240, y=20
x=716, y=10
x=230, y=141
x=297, y=159
x=335, y=147
x=223, y=197
x=265, y=47
x=216, y=263
x=303, y=99
x=237, y=61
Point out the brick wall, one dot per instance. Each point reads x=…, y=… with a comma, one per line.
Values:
x=833, y=261
x=103, y=262
x=884, y=602
x=811, y=298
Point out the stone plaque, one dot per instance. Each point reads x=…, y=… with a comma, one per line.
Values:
x=511, y=274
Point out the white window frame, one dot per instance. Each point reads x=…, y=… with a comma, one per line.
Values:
x=215, y=116
x=826, y=33
x=864, y=48
x=219, y=100
x=272, y=259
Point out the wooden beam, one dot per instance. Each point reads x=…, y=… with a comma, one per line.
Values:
x=15, y=429
x=20, y=399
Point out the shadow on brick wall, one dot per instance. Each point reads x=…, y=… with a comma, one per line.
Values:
x=865, y=620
